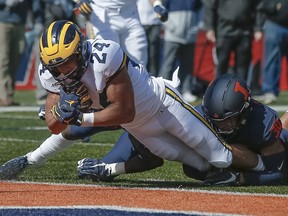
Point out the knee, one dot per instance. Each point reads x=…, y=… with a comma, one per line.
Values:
x=74, y=132
x=69, y=134
x=220, y=164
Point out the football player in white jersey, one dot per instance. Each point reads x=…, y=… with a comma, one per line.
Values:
x=147, y=107
x=137, y=51
x=118, y=20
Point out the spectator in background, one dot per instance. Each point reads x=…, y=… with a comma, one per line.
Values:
x=275, y=46
x=13, y=16
x=180, y=32
x=152, y=27
x=231, y=25
x=119, y=21
x=53, y=10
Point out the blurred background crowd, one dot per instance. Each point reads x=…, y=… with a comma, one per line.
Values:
x=205, y=38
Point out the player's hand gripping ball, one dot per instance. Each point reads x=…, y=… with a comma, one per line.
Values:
x=67, y=110
x=66, y=114
x=85, y=99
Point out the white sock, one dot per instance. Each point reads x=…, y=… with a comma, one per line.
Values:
x=52, y=145
x=116, y=168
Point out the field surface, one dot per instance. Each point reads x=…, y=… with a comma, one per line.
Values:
x=54, y=189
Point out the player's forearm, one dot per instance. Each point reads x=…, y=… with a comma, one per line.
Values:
x=243, y=157
x=54, y=126
x=284, y=120
x=112, y=115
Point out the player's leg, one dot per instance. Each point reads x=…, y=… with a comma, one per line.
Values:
x=99, y=27
x=51, y=146
x=169, y=53
x=167, y=146
x=121, y=151
x=134, y=42
x=127, y=156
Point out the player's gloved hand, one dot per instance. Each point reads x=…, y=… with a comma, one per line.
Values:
x=12, y=3
x=160, y=10
x=84, y=97
x=67, y=114
x=70, y=99
x=85, y=8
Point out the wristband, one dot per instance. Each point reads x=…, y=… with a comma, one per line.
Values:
x=88, y=120
x=260, y=165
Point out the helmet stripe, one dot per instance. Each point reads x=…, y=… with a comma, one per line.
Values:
x=60, y=40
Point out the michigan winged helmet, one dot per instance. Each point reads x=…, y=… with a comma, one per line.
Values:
x=60, y=42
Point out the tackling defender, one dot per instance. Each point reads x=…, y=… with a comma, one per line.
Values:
x=239, y=119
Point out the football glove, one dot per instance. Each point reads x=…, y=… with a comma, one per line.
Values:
x=66, y=114
x=85, y=8
x=161, y=11
x=81, y=91
x=85, y=100
x=69, y=99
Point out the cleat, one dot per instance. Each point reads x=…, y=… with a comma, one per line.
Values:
x=94, y=169
x=222, y=177
x=12, y=168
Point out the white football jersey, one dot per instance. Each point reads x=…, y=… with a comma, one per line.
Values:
x=105, y=59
